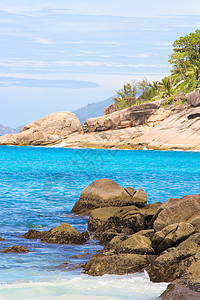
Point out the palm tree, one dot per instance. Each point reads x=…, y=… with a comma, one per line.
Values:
x=166, y=84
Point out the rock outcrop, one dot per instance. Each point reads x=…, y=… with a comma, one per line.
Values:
x=62, y=234
x=130, y=117
x=48, y=130
x=106, y=192
x=163, y=239
x=110, y=109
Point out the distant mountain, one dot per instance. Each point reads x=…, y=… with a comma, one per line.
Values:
x=92, y=110
x=19, y=128
x=6, y=130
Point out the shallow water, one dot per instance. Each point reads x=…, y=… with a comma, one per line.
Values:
x=38, y=188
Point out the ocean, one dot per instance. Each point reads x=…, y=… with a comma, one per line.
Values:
x=38, y=188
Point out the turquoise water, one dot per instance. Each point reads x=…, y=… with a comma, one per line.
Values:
x=38, y=188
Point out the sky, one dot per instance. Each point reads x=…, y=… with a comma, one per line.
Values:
x=61, y=55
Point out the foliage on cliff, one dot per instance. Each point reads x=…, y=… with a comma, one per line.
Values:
x=185, y=76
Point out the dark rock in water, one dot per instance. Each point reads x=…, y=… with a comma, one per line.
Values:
x=70, y=267
x=171, y=236
x=173, y=211
x=15, y=249
x=79, y=256
x=104, y=193
x=33, y=234
x=2, y=239
x=173, y=263
x=62, y=234
x=120, y=264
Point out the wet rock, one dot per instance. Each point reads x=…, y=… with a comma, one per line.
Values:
x=128, y=220
x=33, y=234
x=171, y=236
x=62, y=234
x=106, y=236
x=179, y=291
x=120, y=264
x=136, y=243
x=79, y=256
x=2, y=239
x=172, y=263
x=173, y=211
x=67, y=266
x=15, y=249
x=104, y=193
x=99, y=216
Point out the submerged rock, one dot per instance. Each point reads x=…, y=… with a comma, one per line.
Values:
x=62, y=234
x=2, y=239
x=15, y=249
x=104, y=193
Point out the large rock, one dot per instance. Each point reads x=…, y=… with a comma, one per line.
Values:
x=121, y=264
x=173, y=211
x=99, y=216
x=106, y=192
x=62, y=234
x=127, y=221
x=173, y=263
x=171, y=236
x=179, y=291
x=133, y=116
x=193, y=98
x=48, y=130
x=138, y=244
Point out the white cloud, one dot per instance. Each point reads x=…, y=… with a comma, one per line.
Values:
x=162, y=44
x=155, y=29
x=44, y=41
x=34, y=64
x=112, y=43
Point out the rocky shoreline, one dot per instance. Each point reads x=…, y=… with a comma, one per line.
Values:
x=163, y=239
x=152, y=125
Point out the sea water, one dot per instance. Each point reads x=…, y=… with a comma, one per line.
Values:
x=38, y=188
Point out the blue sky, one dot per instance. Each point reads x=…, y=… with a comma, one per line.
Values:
x=61, y=55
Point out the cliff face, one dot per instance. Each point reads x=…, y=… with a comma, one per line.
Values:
x=150, y=125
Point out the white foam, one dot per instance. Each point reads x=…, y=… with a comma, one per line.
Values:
x=107, y=287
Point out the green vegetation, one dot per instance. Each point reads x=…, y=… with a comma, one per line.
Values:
x=184, y=78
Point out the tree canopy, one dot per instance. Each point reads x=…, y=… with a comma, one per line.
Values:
x=185, y=76
x=185, y=58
